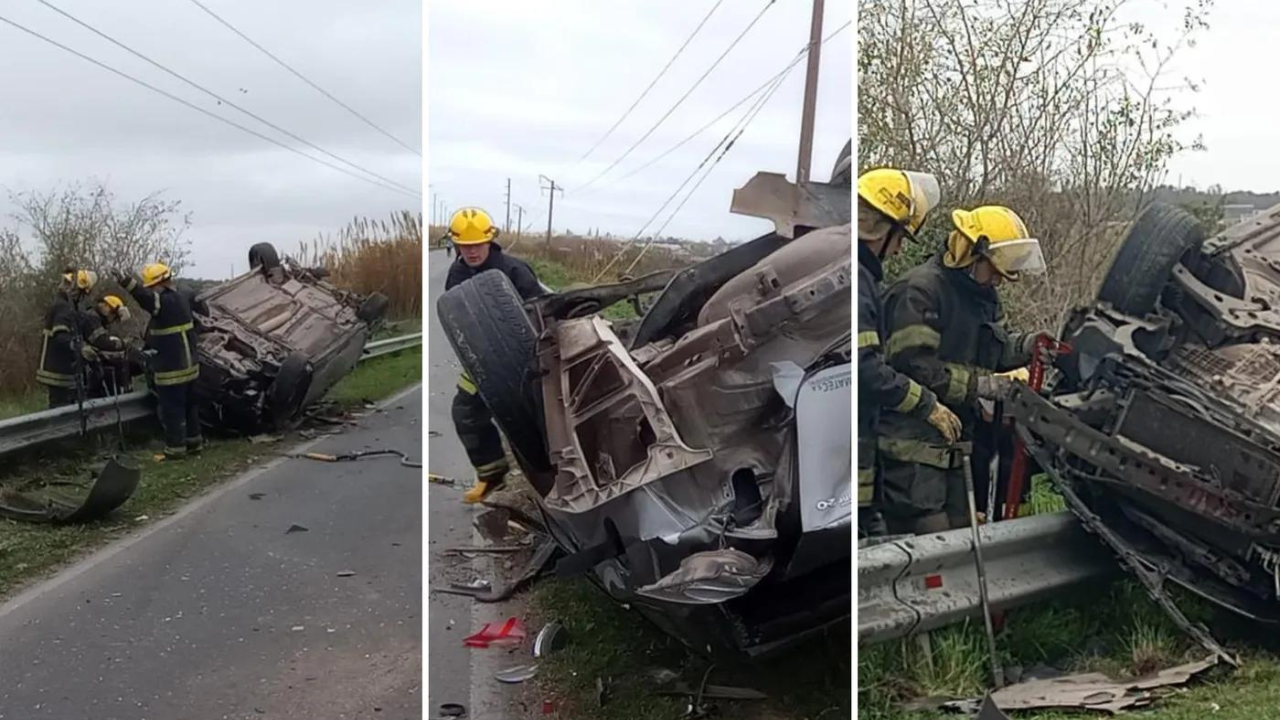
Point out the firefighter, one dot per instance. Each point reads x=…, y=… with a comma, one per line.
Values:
x=892, y=206
x=108, y=370
x=472, y=234
x=59, y=366
x=171, y=347
x=945, y=332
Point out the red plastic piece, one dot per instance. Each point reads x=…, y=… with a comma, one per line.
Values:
x=932, y=582
x=510, y=632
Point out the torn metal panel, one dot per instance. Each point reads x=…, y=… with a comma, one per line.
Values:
x=114, y=485
x=707, y=578
x=793, y=208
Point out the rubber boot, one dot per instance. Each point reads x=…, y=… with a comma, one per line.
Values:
x=481, y=489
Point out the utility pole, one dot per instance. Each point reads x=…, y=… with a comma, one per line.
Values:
x=810, y=95
x=552, y=205
x=435, y=204
x=519, y=219
x=506, y=227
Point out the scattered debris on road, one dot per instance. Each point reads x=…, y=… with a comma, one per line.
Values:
x=510, y=633
x=357, y=455
x=516, y=675
x=296, y=528
x=346, y=573
x=452, y=710
x=551, y=638
x=441, y=480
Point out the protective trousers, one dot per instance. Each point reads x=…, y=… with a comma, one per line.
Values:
x=61, y=396
x=474, y=425
x=180, y=419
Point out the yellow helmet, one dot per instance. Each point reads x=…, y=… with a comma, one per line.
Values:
x=998, y=234
x=82, y=280
x=112, y=302
x=903, y=196
x=471, y=226
x=155, y=273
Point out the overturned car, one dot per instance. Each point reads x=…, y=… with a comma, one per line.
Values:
x=274, y=340
x=1164, y=433
x=697, y=462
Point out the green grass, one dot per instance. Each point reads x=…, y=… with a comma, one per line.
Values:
x=558, y=277
x=1116, y=630
x=613, y=642
x=378, y=377
x=28, y=550
x=29, y=402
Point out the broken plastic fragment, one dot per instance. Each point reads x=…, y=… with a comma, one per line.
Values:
x=510, y=632
x=517, y=674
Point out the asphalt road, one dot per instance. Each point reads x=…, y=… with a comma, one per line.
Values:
x=220, y=612
x=455, y=673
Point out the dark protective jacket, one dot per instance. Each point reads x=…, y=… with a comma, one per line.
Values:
x=171, y=333
x=881, y=388
x=521, y=275
x=95, y=332
x=58, y=349
x=944, y=331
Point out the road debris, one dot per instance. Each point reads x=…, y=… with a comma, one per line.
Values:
x=357, y=455
x=602, y=690
x=536, y=565
x=257, y=496
x=551, y=638
x=1088, y=691
x=441, y=480
x=264, y=439
x=452, y=710
x=114, y=485
x=516, y=675
x=346, y=573
x=509, y=633
x=989, y=710
x=296, y=528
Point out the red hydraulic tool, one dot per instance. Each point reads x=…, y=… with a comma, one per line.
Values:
x=1018, y=465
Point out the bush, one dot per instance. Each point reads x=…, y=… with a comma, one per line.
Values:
x=370, y=256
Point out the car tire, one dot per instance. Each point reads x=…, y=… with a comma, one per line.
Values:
x=264, y=255
x=485, y=322
x=289, y=390
x=373, y=308
x=1155, y=244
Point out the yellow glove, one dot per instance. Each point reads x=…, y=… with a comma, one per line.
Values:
x=1022, y=375
x=946, y=422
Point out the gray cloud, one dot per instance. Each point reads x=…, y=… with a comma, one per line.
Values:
x=65, y=120
x=517, y=89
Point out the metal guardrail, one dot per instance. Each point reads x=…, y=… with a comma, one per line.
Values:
x=391, y=345
x=926, y=582
x=27, y=431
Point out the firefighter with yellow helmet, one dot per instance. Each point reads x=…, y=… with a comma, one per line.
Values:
x=59, y=366
x=171, y=346
x=945, y=332
x=892, y=205
x=108, y=372
x=473, y=234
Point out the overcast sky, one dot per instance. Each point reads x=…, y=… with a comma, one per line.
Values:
x=517, y=89
x=64, y=120
x=1235, y=114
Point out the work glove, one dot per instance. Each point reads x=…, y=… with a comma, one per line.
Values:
x=945, y=422
x=994, y=388
x=90, y=353
x=1022, y=375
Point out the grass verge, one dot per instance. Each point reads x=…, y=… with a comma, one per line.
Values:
x=621, y=648
x=28, y=551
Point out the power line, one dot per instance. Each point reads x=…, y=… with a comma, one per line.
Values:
x=687, y=93
x=725, y=142
x=306, y=80
x=197, y=108
x=221, y=99
x=655, y=82
x=791, y=65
